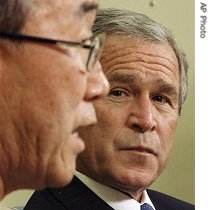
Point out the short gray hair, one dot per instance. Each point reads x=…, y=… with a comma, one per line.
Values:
x=135, y=25
x=13, y=14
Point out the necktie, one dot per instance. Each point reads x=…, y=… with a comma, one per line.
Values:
x=146, y=206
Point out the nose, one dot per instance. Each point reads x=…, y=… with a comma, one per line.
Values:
x=97, y=83
x=142, y=117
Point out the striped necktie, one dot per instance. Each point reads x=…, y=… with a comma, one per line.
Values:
x=146, y=206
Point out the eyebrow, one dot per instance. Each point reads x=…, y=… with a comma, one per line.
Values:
x=127, y=78
x=123, y=78
x=166, y=87
x=88, y=7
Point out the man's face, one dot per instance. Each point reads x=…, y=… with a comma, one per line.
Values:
x=130, y=145
x=47, y=93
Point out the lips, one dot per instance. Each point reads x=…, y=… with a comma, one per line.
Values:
x=75, y=134
x=141, y=149
x=86, y=115
x=77, y=141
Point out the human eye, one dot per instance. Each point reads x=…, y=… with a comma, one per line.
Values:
x=119, y=95
x=161, y=100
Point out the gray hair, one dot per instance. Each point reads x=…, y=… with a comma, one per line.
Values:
x=135, y=25
x=13, y=14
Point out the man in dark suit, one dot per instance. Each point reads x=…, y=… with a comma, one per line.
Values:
x=129, y=147
x=77, y=196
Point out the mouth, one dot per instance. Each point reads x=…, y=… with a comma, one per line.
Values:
x=144, y=150
x=75, y=134
x=86, y=115
x=77, y=141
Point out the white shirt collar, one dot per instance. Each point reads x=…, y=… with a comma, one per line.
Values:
x=116, y=199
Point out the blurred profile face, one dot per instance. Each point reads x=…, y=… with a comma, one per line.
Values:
x=130, y=145
x=47, y=94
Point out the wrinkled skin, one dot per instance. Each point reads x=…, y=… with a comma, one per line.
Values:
x=45, y=95
x=130, y=146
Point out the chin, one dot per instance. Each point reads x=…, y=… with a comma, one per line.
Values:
x=60, y=177
x=132, y=180
x=59, y=181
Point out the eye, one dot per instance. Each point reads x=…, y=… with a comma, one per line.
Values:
x=117, y=93
x=161, y=99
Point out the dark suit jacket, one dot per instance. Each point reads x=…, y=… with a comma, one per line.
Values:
x=77, y=196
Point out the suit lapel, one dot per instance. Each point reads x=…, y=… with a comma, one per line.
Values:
x=77, y=196
x=157, y=200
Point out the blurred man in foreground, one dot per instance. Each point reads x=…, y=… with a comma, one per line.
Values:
x=49, y=75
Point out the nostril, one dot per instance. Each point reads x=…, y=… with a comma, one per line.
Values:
x=142, y=128
x=137, y=128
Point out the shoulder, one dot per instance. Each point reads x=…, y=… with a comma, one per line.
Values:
x=75, y=196
x=163, y=201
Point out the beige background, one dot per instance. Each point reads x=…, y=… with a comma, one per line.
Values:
x=178, y=178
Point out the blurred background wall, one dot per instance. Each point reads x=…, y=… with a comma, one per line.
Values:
x=178, y=178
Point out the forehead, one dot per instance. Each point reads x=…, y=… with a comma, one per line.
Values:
x=123, y=44
x=60, y=4
x=124, y=51
x=151, y=61
x=59, y=16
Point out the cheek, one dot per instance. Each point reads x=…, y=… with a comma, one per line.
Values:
x=166, y=135
x=107, y=130
x=110, y=115
x=169, y=128
x=68, y=84
x=75, y=88
x=108, y=126
x=59, y=91
x=52, y=97
x=51, y=70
